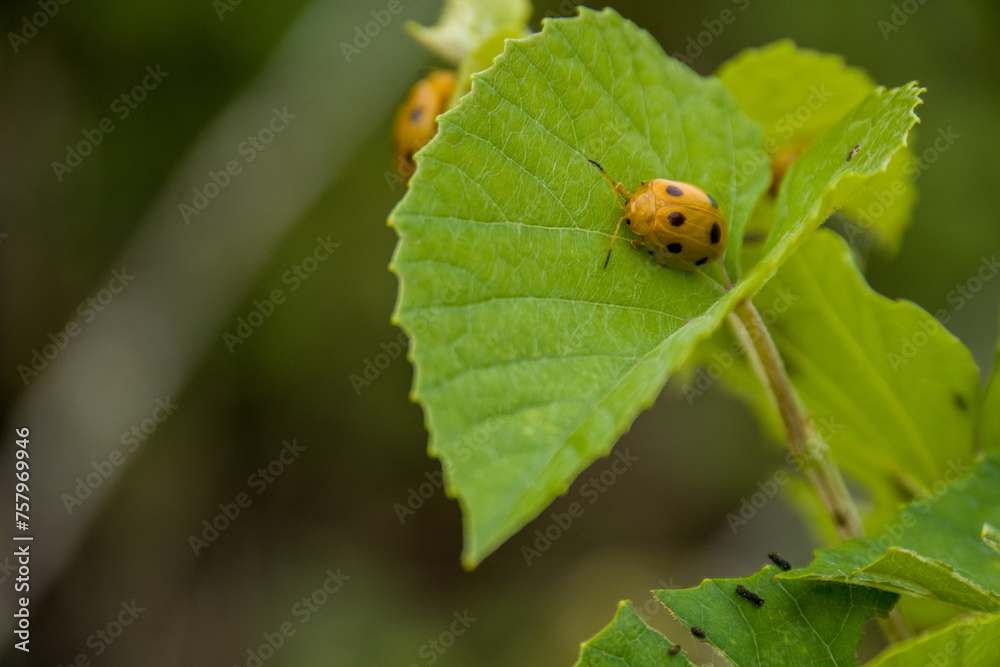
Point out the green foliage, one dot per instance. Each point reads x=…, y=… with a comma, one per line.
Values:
x=970, y=642
x=989, y=426
x=934, y=549
x=799, y=622
x=629, y=642
x=797, y=95
x=466, y=25
x=503, y=234
x=890, y=389
x=502, y=237
x=532, y=359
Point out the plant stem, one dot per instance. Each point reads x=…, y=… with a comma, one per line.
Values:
x=809, y=451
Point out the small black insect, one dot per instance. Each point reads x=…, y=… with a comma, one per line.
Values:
x=779, y=561
x=675, y=649
x=757, y=600
x=697, y=632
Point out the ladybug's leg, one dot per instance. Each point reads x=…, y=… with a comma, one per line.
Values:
x=615, y=185
x=613, y=237
x=636, y=244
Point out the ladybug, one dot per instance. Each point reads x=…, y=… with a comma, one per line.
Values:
x=416, y=120
x=681, y=223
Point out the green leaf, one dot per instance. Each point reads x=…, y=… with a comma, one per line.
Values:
x=970, y=642
x=821, y=175
x=938, y=548
x=629, y=642
x=465, y=25
x=885, y=205
x=989, y=413
x=813, y=624
x=891, y=390
x=531, y=360
x=797, y=95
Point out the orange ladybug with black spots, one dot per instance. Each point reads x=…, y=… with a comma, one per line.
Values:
x=681, y=224
x=416, y=120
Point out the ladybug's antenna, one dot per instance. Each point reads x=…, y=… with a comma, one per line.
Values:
x=619, y=189
x=615, y=185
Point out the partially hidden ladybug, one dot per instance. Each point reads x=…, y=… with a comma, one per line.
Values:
x=416, y=120
x=680, y=223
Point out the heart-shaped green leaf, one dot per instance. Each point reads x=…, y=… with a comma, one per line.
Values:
x=816, y=624
x=531, y=359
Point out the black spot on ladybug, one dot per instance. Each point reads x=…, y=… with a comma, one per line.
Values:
x=697, y=632
x=674, y=191
x=674, y=650
x=627, y=221
x=757, y=600
x=676, y=218
x=711, y=200
x=675, y=248
x=416, y=114
x=650, y=252
x=960, y=402
x=779, y=561
x=716, y=233
x=701, y=261
x=409, y=157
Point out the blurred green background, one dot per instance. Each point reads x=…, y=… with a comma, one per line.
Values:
x=231, y=67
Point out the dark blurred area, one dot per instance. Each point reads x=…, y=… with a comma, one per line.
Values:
x=264, y=440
